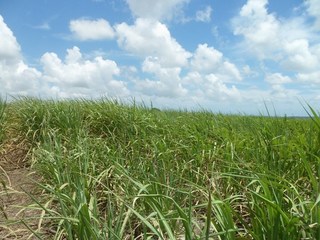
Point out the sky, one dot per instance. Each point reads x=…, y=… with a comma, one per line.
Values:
x=234, y=56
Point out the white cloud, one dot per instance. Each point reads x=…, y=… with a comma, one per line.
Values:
x=19, y=78
x=313, y=8
x=210, y=86
x=299, y=57
x=231, y=71
x=85, y=29
x=9, y=47
x=205, y=76
x=313, y=77
x=217, y=89
x=288, y=41
x=87, y=77
x=73, y=56
x=209, y=60
x=259, y=29
x=206, y=59
x=16, y=77
x=280, y=92
x=151, y=38
x=277, y=79
x=276, y=92
x=166, y=82
x=170, y=83
x=204, y=15
x=156, y=9
x=268, y=36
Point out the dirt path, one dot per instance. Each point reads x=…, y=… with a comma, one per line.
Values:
x=16, y=180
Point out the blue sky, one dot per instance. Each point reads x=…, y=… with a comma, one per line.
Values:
x=230, y=56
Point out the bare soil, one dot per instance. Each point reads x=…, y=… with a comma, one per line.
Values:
x=19, y=215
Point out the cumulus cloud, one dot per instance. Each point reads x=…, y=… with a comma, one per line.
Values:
x=156, y=9
x=299, y=56
x=9, y=47
x=210, y=86
x=166, y=81
x=170, y=82
x=210, y=75
x=288, y=41
x=167, y=71
x=215, y=88
x=151, y=38
x=209, y=60
x=170, y=71
x=204, y=15
x=259, y=29
x=16, y=77
x=87, y=77
x=85, y=29
x=19, y=78
x=206, y=59
x=266, y=35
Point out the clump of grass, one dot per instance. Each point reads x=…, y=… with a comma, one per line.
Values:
x=113, y=171
x=3, y=105
x=2, y=171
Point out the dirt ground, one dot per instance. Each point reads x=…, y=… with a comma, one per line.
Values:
x=18, y=212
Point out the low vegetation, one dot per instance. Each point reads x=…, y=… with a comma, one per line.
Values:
x=112, y=171
x=2, y=118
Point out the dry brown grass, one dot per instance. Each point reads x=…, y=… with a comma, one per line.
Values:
x=18, y=213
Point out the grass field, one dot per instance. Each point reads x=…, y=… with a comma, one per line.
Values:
x=112, y=171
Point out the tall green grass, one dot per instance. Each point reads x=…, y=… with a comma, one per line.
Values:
x=113, y=171
x=3, y=105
